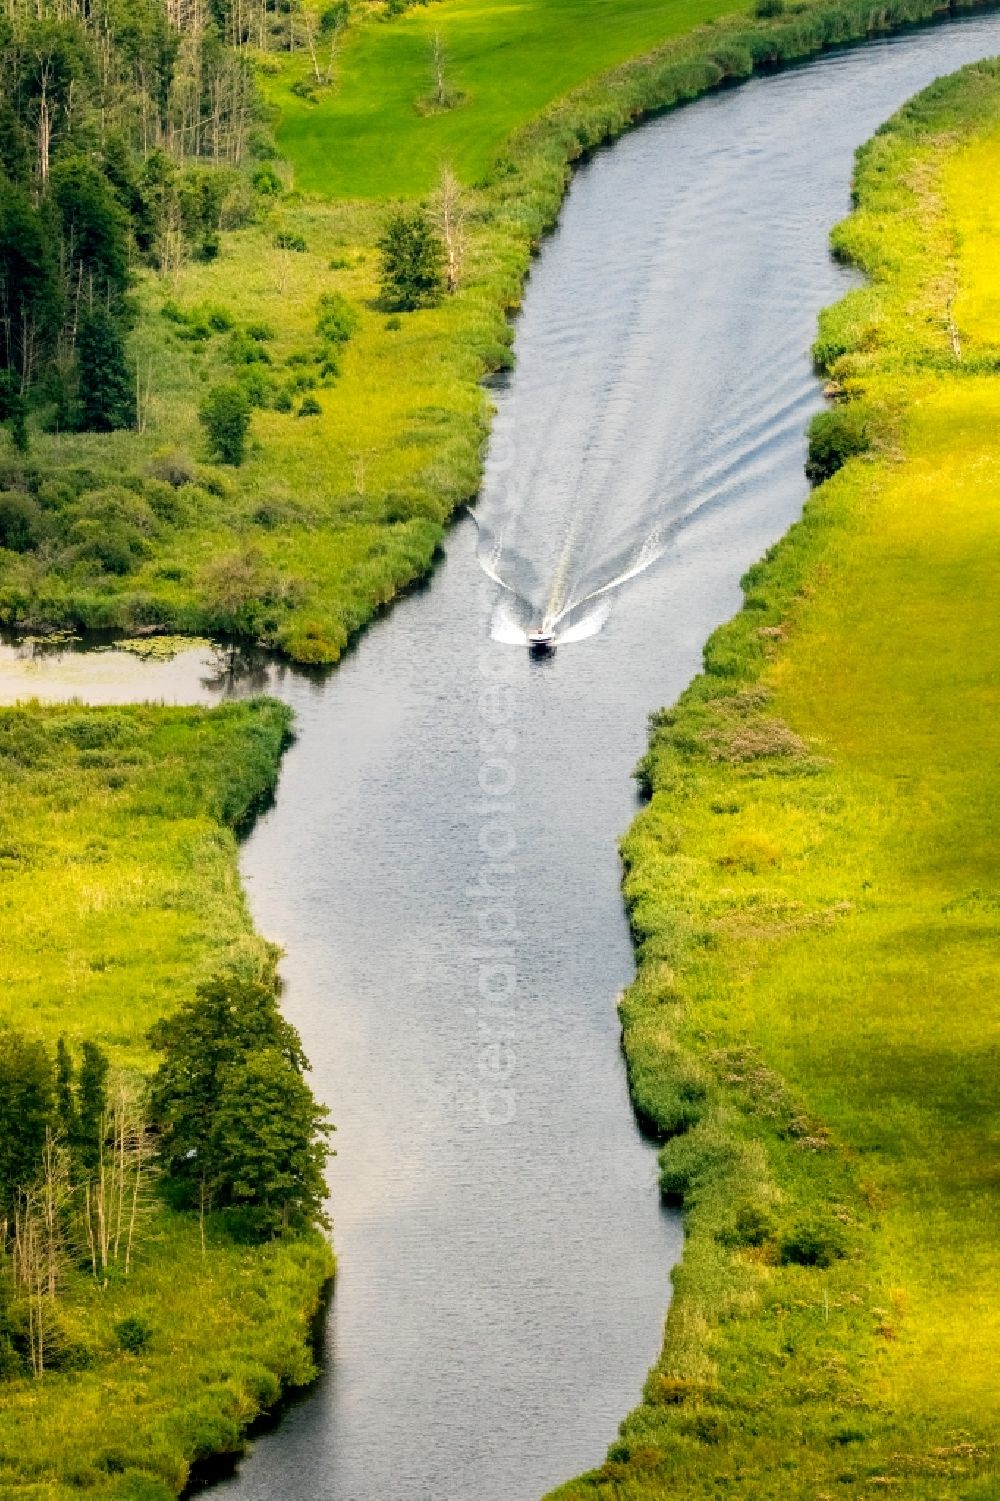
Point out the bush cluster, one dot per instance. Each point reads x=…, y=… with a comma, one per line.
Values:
x=842, y=433
x=89, y=522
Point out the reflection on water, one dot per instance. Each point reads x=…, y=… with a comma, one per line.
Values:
x=502, y=1282
x=61, y=667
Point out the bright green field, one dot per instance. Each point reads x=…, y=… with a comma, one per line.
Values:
x=509, y=58
x=814, y=889
x=119, y=892
x=333, y=515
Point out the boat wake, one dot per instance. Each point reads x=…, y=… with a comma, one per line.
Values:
x=642, y=402
x=522, y=609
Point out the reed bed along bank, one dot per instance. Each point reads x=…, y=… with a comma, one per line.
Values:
x=812, y=1032
x=119, y=895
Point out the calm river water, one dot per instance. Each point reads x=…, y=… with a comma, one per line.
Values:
x=504, y=1262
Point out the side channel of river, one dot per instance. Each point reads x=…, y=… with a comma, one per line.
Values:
x=504, y=1263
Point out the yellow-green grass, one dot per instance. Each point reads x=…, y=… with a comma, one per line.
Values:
x=329, y=516
x=119, y=892
x=369, y=137
x=332, y=516
x=814, y=893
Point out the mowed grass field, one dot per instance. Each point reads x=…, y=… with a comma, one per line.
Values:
x=814, y=887
x=507, y=60
x=119, y=893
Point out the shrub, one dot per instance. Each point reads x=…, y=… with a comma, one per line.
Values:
x=241, y=349
x=689, y=1161
x=412, y=260
x=258, y=385
x=133, y=1334
x=766, y=10
x=172, y=466
x=225, y=416
x=111, y=528
x=336, y=319
x=813, y=1243
x=218, y=319
x=287, y=239
x=20, y=522
x=836, y=436
x=333, y=17
x=310, y=407
x=752, y=1225
x=266, y=181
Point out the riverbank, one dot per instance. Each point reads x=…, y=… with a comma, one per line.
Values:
x=119, y=895
x=810, y=1029
x=336, y=511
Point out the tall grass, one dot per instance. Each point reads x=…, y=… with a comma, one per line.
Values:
x=810, y=1031
x=119, y=893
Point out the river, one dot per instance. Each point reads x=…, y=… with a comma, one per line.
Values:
x=440, y=862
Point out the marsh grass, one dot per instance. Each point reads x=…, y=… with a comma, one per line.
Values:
x=815, y=931
x=118, y=894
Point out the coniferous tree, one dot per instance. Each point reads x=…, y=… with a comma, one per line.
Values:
x=14, y=410
x=107, y=384
x=92, y=1104
x=26, y=1107
x=31, y=299
x=66, y=1114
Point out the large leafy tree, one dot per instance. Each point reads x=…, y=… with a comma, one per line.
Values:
x=412, y=261
x=267, y=1147
x=225, y=416
x=94, y=229
x=236, y=1117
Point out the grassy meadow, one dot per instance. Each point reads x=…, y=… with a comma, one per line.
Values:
x=119, y=893
x=334, y=513
x=809, y=879
x=370, y=138
x=813, y=1029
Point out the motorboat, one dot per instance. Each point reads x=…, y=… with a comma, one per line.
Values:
x=541, y=642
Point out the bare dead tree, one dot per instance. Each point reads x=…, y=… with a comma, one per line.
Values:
x=438, y=60
x=39, y=1261
x=310, y=35
x=114, y=1199
x=46, y=110
x=449, y=218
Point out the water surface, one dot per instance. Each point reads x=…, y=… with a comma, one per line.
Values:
x=504, y=1262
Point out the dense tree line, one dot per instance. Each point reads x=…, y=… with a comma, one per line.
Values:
x=121, y=125
x=228, y=1123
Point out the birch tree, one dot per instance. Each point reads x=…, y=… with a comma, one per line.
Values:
x=449, y=221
